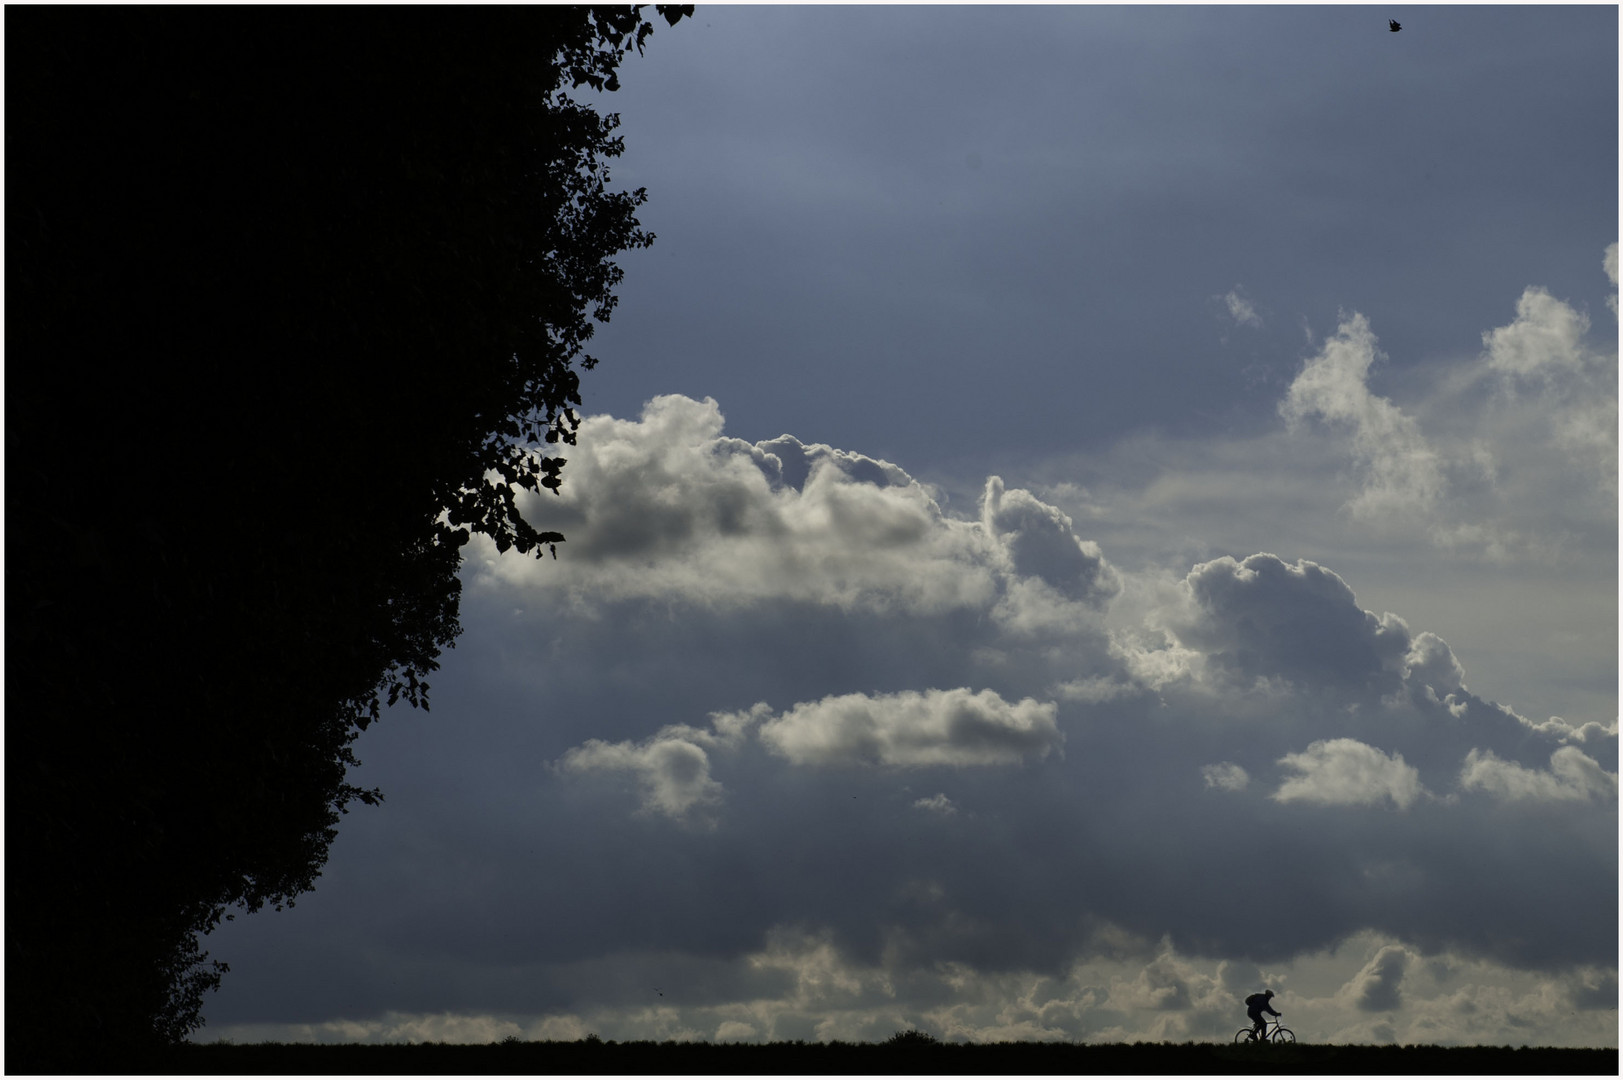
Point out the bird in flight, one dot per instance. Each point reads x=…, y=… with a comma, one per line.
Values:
x=1395, y=25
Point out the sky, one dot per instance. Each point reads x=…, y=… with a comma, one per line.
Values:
x=1086, y=513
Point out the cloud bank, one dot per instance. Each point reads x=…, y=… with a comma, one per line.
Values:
x=1252, y=682
x=782, y=735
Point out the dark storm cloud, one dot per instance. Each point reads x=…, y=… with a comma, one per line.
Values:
x=1364, y=717
x=1293, y=638
x=1263, y=618
x=1313, y=757
x=1042, y=543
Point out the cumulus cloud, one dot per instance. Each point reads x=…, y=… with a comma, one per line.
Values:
x=1548, y=369
x=1378, y=986
x=1546, y=339
x=672, y=768
x=1154, y=658
x=1346, y=772
x=667, y=507
x=1560, y=729
x=1431, y=663
x=1161, y=985
x=1260, y=624
x=674, y=774
x=1573, y=776
x=1040, y=542
x=734, y=1031
x=913, y=729
x=1401, y=470
x=1261, y=618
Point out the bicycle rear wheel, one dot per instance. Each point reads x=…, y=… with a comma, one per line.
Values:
x=1244, y=1035
x=1284, y=1035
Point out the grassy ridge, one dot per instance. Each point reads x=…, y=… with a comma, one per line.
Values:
x=592, y=1057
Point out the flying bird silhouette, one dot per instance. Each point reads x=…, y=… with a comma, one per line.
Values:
x=1395, y=25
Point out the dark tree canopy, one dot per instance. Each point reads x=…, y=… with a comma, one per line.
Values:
x=295, y=297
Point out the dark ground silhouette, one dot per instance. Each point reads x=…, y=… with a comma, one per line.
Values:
x=916, y=1057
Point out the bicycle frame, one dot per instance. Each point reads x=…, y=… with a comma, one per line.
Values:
x=1273, y=1031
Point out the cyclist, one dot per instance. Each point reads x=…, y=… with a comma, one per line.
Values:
x=1255, y=1006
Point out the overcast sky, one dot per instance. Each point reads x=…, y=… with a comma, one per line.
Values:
x=1087, y=513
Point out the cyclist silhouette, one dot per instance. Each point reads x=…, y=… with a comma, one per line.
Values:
x=1255, y=1006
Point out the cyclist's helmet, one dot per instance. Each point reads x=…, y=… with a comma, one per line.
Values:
x=1267, y=993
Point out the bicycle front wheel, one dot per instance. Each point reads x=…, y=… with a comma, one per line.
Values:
x=1244, y=1035
x=1284, y=1035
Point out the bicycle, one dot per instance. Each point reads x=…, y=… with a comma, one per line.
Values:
x=1273, y=1033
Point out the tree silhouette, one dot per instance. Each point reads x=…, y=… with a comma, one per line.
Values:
x=296, y=297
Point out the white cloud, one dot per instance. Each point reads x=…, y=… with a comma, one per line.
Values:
x=1430, y=662
x=1573, y=776
x=1155, y=659
x=666, y=507
x=1546, y=339
x=673, y=766
x=1558, y=727
x=1346, y=772
x=1225, y=776
x=1507, y=456
x=1401, y=470
x=936, y=804
x=1554, y=382
x=912, y=729
x=674, y=773
x=669, y=508
x=1378, y=985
